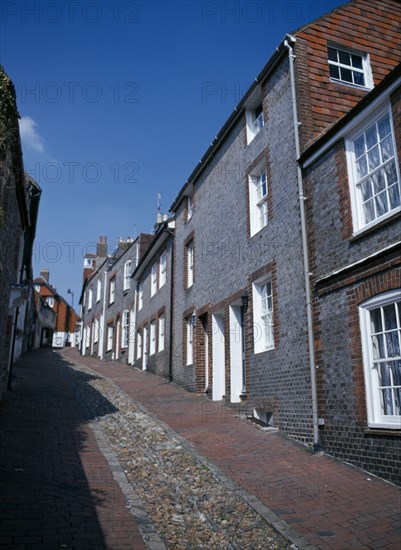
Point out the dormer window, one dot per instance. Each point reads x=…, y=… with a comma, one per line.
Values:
x=349, y=67
x=254, y=121
x=258, y=121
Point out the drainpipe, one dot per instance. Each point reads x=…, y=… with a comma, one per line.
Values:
x=170, y=363
x=132, y=333
x=307, y=274
x=102, y=329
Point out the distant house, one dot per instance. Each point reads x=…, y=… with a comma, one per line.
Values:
x=153, y=280
x=44, y=322
x=107, y=299
x=19, y=203
x=66, y=322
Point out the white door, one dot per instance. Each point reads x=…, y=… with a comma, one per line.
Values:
x=118, y=339
x=235, y=354
x=218, y=367
x=145, y=349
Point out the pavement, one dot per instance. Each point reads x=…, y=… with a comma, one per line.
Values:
x=56, y=495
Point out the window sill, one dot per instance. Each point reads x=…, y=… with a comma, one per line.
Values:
x=385, y=432
x=350, y=85
x=259, y=352
x=389, y=218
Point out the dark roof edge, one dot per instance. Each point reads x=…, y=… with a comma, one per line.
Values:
x=235, y=115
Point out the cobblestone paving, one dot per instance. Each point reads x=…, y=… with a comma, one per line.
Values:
x=188, y=505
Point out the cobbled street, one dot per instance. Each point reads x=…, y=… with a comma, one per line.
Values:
x=89, y=460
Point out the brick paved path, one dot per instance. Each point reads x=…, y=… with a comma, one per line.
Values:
x=332, y=505
x=56, y=488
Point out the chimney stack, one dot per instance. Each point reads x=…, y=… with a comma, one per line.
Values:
x=44, y=273
x=101, y=247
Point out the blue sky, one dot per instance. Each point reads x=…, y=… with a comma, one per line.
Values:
x=119, y=101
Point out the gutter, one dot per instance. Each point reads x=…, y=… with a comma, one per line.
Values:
x=307, y=274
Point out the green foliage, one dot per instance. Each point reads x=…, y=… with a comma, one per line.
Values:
x=8, y=109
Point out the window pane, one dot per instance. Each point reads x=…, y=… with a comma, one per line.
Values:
x=332, y=53
x=394, y=193
x=344, y=58
x=376, y=321
x=334, y=71
x=390, y=317
x=371, y=136
x=393, y=344
x=379, y=182
x=397, y=399
x=391, y=173
x=358, y=78
x=361, y=167
x=356, y=61
x=369, y=211
x=386, y=402
x=374, y=158
x=381, y=204
x=378, y=347
x=366, y=189
x=384, y=126
x=386, y=147
x=359, y=145
x=346, y=75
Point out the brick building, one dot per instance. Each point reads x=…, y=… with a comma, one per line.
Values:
x=19, y=204
x=66, y=319
x=283, y=267
x=242, y=290
x=153, y=280
x=107, y=298
x=352, y=176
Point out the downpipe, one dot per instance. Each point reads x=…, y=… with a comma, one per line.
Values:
x=307, y=274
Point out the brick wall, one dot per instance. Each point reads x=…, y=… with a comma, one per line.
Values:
x=226, y=257
x=366, y=26
x=337, y=296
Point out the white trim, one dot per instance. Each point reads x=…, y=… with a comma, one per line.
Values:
x=375, y=418
x=358, y=223
x=353, y=123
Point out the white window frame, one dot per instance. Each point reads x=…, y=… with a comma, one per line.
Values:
x=152, y=337
x=163, y=269
x=263, y=315
x=254, y=122
x=50, y=301
x=125, y=329
x=358, y=220
x=90, y=299
x=112, y=290
x=37, y=288
x=110, y=337
x=162, y=329
x=189, y=251
x=376, y=418
x=140, y=296
x=190, y=209
x=127, y=275
x=139, y=345
x=98, y=290
x=189, y=340
x=366, y=70
x=153, y=279
x=258, y=202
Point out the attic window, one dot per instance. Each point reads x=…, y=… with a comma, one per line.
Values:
x=349, y=67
